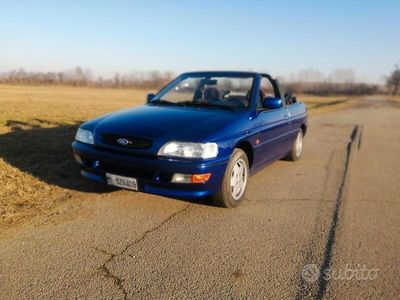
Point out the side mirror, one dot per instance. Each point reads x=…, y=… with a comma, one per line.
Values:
x=272, y=103
x=149, y=97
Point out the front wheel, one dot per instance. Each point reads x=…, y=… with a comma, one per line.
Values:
x=297, y=148
x=234, y=184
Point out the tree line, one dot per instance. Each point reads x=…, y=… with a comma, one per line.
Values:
x=84, y=77
x=327, y=88
x=311, y=81
x=340, y=82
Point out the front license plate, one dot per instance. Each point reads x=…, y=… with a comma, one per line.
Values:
x=122, y=181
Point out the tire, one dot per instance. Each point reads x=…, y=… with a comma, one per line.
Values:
x=237, y=173
x=297, y=148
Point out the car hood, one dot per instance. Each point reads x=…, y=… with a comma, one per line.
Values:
x=161, y=123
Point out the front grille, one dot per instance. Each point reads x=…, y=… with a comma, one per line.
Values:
x=130, y=141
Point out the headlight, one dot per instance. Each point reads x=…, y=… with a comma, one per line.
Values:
x=190, y=150
x=84, y=136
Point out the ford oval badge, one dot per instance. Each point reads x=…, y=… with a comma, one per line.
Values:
x=123, y=141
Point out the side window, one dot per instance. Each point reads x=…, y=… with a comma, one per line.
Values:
x=266, y=88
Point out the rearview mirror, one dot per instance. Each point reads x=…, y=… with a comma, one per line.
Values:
x=272, y=103
x=149, y=97
x=211, y=82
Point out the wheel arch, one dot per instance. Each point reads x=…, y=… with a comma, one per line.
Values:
x=248, y=149
x=304, y=128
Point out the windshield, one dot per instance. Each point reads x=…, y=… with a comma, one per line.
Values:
x=220, y=91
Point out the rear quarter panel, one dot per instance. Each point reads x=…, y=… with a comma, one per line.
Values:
x=298, y=116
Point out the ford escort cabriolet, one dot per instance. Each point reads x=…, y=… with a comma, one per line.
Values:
x=202, y=135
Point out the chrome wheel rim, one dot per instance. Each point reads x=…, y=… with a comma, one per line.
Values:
x=238, y=179
x=299, y=144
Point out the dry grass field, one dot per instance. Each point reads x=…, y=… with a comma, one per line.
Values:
x=319, y=104
x=37, y=125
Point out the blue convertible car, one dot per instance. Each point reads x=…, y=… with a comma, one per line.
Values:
x=201, y=135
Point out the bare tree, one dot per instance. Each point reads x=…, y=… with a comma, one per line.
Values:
x=393, y=81
x=116, y=80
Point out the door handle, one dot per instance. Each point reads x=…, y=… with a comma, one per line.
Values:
x=287, y=116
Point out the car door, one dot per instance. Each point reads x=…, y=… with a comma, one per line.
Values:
x=272, y=127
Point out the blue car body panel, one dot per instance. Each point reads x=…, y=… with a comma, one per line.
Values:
x=269, y=133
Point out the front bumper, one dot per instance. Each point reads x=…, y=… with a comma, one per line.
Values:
x=153, y=174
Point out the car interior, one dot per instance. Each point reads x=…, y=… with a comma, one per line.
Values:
x=224, y=92
x=232, y=92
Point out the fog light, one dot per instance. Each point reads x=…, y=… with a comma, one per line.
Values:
x=182, y=178
x=190, y=178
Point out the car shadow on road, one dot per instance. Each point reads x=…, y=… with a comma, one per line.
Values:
x=43, y=149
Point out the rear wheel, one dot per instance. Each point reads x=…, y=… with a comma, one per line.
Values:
x=234, y=184
x=297, y=148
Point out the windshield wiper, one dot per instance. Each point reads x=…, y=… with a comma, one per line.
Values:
x=207, y=104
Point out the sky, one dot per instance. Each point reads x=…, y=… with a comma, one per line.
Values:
x=279, y=37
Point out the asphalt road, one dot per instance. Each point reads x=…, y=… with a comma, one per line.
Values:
x=335, y=213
